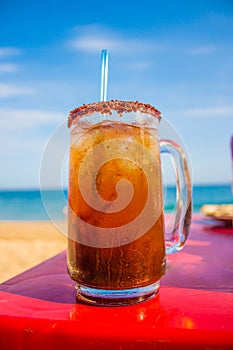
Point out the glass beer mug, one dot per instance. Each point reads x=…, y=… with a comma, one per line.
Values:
x=116, y=231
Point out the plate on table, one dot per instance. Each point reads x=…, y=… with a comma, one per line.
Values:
x=222, y=212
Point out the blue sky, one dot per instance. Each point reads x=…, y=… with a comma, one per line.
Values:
x=175, y=55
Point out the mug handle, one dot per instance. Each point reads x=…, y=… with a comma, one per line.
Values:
x=183, y=215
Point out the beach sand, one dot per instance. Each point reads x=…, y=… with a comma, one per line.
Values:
x=24, y=244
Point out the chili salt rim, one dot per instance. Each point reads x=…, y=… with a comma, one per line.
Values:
x=106, y=107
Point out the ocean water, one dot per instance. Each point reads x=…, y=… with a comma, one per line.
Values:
x=28, y=204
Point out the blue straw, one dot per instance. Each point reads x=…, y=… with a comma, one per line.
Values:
x=104, y=75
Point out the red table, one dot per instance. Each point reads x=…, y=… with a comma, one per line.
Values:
x=194, y=308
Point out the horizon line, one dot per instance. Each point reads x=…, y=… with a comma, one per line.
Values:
x=22, y=189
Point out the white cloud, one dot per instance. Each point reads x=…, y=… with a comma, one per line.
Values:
x=219, y=111
x=8, y=68
x=139, y=66
x=9, y=51
x=202, y=50
x=15, y=119
x=9, y=90
x=94, y=38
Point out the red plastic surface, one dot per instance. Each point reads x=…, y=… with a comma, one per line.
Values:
x=194, y=308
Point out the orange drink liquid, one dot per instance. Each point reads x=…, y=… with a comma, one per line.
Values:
x=127, y=156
